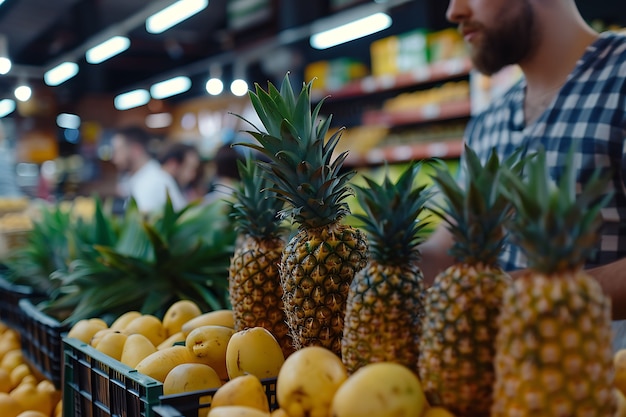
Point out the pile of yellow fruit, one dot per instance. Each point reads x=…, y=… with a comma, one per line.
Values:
x=22, y=392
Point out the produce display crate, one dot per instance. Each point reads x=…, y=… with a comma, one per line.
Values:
x=96, y=385
x=10, y=296
x=42, y=341
x=189, y=404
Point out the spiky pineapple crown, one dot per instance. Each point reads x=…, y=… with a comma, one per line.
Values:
x=556, y=228
x=391, y=215
x=301, y=166
x=255, y=207
x=476, y=211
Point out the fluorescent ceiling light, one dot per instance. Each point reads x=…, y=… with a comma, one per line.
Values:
x=170, y=87
x=107, y=49
x=351, y=31
x=6, y=107
x=68, y=121
x=23, y=93
x=131, y=99
x=5, y=65
x=60, y=73
x=174, y=14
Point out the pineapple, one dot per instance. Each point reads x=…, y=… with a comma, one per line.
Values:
x=386, y=299
x=554, y=355
x=320, y=260
x=254, y=281
x=462, y=306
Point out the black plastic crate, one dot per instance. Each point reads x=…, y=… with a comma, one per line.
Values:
x=188, y=404
x=10, y=296
x=42, y=341
x=95, y=385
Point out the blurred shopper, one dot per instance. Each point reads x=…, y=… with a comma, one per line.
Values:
x=573, y=92
x=147, y=182
x=226, y=174
x=182, y=161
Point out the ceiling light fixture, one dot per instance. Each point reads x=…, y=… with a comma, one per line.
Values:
x=171, y=87
x=158, y=120
x=174, y=14
x=350, y=31
x=107, y=49
x=68, y=121
x=7, y=106
x=131, y=99
x=239, y=87
x=5, y=61
x=214, y=86
x=23, y=92
x=61, y=73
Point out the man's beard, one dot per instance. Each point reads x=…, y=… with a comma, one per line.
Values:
x=508, y=43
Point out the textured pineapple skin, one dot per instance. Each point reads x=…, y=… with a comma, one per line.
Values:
x=255, y=291
x=384, y=315
x=458, y=334
x=317, y=268
x=554, y=354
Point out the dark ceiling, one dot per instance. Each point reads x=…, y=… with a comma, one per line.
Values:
x=43, y=33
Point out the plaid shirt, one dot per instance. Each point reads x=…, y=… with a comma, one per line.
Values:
x=590, y=112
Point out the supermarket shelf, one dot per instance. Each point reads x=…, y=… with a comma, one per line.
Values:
x=431, y=112
x=447, y=149
x=421, y=75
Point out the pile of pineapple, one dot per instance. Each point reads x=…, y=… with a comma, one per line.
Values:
x=23, y=393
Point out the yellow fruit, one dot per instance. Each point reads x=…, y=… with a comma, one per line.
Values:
x=176, y=337
x=621, y=404
x=58, y=410
x=48, y=387
x=189, y=377
x=244, y=390
x=19, y=373
x=85, y=329
x=9, y=341
x=212, y=318
x=5, y=381
x=112, y=344
x=383, y=389
x=253, y=351
x=9, y=407
x=178, y=314
x=158, y=364
x=136, y=348
x=30, y=398
x=149, y=326
x=32, y=413
x=11, y=359
x=279, y=412
x=99, y=335
x=619, y=362
x=439, y=412
x=308, y=380
x=209, y=344
x=122, y=321
x=236, y=411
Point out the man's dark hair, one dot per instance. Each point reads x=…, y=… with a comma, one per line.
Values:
x=135, y=134
x=226, y=159
x=177, y=152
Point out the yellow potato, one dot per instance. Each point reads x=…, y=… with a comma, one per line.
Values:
x=189, y=377
x=178, y=314
x=254, y=351
x=209, y=344
x=136, y=348
x=236, y=411
x=84, y=330
x=244, y=390
x=149, y=326
x=158, y=364
x=176, y=337
x=122, y=321
x=383, y=389
x=308, y=380
x=212, y=318
x=112, y=344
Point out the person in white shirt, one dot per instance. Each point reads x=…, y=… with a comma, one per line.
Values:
x=148, y=183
